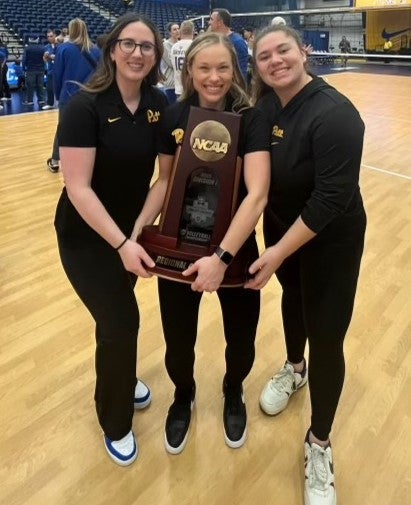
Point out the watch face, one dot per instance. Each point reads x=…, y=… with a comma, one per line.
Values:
x=224, y=256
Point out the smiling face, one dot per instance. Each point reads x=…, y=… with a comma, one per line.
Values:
x=133, y=67
x=280, y=62
x=212, y=74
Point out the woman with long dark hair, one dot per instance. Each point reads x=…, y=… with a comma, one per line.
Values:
x=107, y=138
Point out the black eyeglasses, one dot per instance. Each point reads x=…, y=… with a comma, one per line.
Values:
x=128, y=46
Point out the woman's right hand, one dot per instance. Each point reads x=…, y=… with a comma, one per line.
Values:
x=135, y=259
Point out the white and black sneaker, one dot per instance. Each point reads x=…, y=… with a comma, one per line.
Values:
x=178, y=423
x=278, y=390
x=319, y=486
x=234, y=417
x=53, y=165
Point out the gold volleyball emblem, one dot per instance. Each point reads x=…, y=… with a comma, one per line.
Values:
x=210, y=141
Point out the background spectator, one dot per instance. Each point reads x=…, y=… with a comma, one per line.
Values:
x=49, y=55
x=33, y=65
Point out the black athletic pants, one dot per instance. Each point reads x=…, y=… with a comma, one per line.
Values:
x=97, y=274
x=179, y=312
x=319, y=282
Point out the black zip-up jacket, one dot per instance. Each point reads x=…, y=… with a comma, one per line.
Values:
x=316, y=148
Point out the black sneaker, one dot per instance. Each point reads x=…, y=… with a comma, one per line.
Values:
x=235, y=417
x=177, y=424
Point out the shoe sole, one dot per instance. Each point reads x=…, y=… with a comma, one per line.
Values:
x=269, y=411
x=177, y=450
x=236, y=444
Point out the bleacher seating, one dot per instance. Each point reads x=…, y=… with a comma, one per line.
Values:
x=34, y=17
x=160, y=13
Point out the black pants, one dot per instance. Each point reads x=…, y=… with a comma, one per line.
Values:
x=107, y=290
x=319, y=282
x=50, y=88
x=55, y=155
x=179, y=312
x=4, y=85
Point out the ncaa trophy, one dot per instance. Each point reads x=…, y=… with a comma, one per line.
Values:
x=201, y=199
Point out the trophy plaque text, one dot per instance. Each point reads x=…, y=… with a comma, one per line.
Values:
x=201, y=199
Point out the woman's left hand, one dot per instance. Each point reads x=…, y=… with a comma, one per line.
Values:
x=264, y=267
x=210, y=272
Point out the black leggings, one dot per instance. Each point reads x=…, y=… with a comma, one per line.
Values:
x=179, y=312
x=319, y=282
x=97, y=274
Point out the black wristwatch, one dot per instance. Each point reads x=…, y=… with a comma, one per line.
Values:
x=224, y=256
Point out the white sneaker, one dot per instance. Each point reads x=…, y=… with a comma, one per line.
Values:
x=319, y=475
x=47, y=107
x=123, y=451
x=278, y=390
x=142, y=396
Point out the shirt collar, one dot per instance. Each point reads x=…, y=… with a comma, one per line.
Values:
x=114, y=95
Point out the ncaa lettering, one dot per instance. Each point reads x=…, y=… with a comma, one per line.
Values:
x=210, y=145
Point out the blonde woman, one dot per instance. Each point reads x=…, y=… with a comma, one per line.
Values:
x=212, y=79
x=74, y=63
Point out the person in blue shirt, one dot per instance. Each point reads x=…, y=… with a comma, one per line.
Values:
x=4, y=86
x=74, y=63
x=48, y=57
x=220, y=21
x=33, y=65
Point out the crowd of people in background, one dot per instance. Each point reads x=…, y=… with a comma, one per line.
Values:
x=39, y=57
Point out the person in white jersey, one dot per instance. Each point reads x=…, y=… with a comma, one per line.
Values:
x=178, y=52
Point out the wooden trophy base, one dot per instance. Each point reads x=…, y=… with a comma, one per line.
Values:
x=172, y=257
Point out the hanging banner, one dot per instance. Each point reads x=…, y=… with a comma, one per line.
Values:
x=381, y=4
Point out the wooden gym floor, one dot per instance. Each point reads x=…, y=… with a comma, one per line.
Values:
x=51, y=450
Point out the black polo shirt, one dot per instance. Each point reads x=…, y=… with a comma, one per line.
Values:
x=126, y=149
x=255, y=130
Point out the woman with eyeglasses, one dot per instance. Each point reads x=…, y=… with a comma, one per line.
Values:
x=314, y=227
x=212, y=79
x=108, y=149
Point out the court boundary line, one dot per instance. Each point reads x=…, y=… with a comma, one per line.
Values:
x=388, y=172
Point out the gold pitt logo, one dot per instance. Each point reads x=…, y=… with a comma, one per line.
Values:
x=153, y=117
x=178, y=135
x=210, y=141
x=278, y=132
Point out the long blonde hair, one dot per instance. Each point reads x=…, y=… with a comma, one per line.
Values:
x=237, y=90
x=78, y=34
